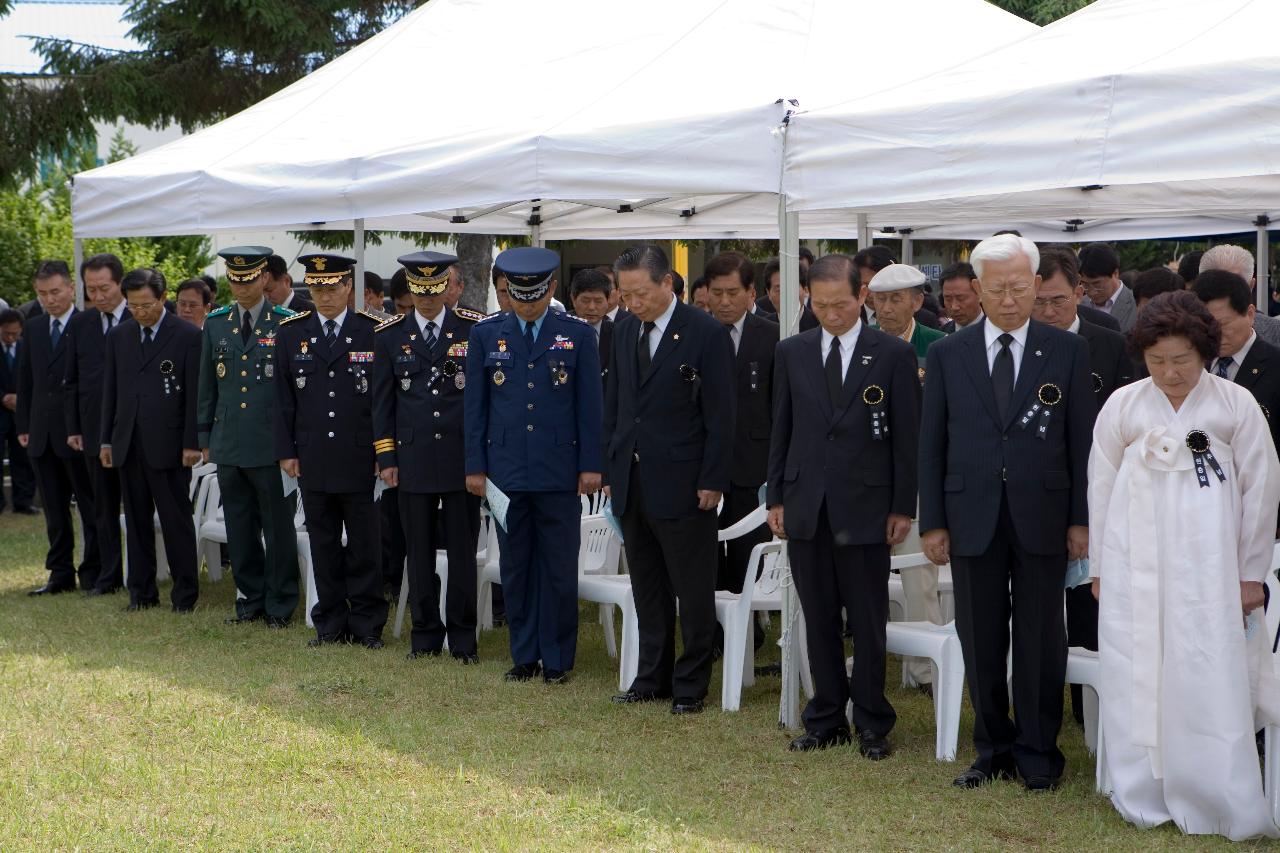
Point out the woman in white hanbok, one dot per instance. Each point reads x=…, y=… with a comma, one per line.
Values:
x=1179, y=544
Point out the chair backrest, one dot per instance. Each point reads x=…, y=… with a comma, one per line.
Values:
x=594, y=546
x=745, y=525
x=212, y=501
x=768, y=567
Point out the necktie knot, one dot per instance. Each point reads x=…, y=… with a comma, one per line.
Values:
x=1005, y=340
x=835, y=345
x=146, y=333
x=111, y=321
x=1223, y=366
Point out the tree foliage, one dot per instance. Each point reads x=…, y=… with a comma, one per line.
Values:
x=1041, y=11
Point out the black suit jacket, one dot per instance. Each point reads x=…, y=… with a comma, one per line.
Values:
x=41, y=401
x=86, y=359
x=8, y=385
x=766, y=315
x=753, y=387
x=1260, y=373
x=151, y=395
x=809, y=320
x=678, y=417
x=1089, y=314
x=325, y=414
x=606, y=347
x=1108, y=360
x=825, y=452
x=419, y=429
x=970, y=458
x=300, y=303
x=764, y=303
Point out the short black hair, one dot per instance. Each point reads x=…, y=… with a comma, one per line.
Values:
x=209, y=280
x=11, y=315
x=651, y=259
x=837, y=268
x=399, y=284
x=277, y=266
x=494, y=275
x=677, y=284
x=50, y=268
x=1153, y=282
x=699, y=283
x=731, y=263
x=588, y=281
x=874, y=258
x=807, y=255
x=1220, y=284
x=1058, y=258
x=198, y=285
x=1098, y=259
x=103, y=261
x=145, y=277
x=1189, y=266
x=958, y=270
x=373, y=281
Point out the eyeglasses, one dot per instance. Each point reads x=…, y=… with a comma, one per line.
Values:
x=1054, y=302
x=144, y=307
x=1017, y=291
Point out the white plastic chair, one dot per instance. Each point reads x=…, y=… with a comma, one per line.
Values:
x=211, y=529
x=1083, y=669
x=734, y=611
x=1271, y=764
x=615, y=590
x=941, y=645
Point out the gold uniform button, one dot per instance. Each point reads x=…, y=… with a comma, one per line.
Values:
x=244, y=358
x=244, y=373
x=244, y=405
x=244, y=389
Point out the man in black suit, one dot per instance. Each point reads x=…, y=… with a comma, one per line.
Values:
x=85, y=340
x=668, y=427
x=589, y=291
x=842, y=490
x=42, y=429
x=150, y=383
x=960, y=297
x=21, y=477
x=1004, y=447
x=730, y=295
x=279, y=287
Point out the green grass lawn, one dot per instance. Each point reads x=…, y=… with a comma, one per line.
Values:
x=152, y=730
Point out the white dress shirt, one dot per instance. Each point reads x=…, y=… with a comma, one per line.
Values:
x=1238, y=358
x=659, y=327
x=993, y=332
x=116, y=316
x=155, y=328
x=63, y=320
x=438, y=320
x=848, y=341
x=1075, y=326
x=735, y=333
x=337, y=322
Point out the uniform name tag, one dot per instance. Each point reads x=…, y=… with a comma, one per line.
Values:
x=500, y=355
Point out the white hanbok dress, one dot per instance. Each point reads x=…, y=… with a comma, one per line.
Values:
x=1181, y=677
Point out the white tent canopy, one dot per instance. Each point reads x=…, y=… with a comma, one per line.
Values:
x=426, y=127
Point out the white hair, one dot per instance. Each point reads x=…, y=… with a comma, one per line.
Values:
x=1004, y=247
x=1230, y=258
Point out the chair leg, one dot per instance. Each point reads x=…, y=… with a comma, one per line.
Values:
x=1090, y=697
x=404, y=600
x=162, y=558
x=948, y=692
x=1103, y=782
x=485, y=608
x=802, y=647
x=731, y=664
x=629, y=655
x=606, y=620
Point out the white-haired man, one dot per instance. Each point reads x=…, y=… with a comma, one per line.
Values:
x=1005, y=433
x=1240, y=261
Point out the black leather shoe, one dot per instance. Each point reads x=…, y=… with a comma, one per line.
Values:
x=97, y=591
x=183, y=608
x=374, y=643
x=1041, y=784
x=25, y=510
x=631, y=697
x=247, y=618
x=873, y=746
x=523, y=671
x=468, y=659
x=277, y=622
x=135, y=606
x=52, y=589
x=417, y=654
x=324, y=640
x=555, y=676
x=769, y=670
x=810, y=741
x=975, y=777
x=926, y=689
x=686, y=706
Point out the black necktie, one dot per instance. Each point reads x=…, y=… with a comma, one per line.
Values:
x=330, y=333
x=10, y=356
x=1223, y=365
x=835, y=373
x=1002, y=376
x=246, y=327
x=642, y=354
x=111, y=321
x=55, y=333
x=431, y=335
x=528, y=336
x=146, y=338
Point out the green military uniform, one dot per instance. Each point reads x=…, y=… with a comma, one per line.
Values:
x=922, y=338
x=236, y=422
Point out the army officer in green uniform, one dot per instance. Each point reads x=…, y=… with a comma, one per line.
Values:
x=897, y=293
x=236, y=422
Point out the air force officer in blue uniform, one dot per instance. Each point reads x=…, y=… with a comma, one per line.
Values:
x=533, y=412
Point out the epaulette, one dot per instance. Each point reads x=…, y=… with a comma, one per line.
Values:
x=220, y=312
x=375, y=316
x=494, y=316
x=298, y=316
x=572, y=317
x=281, y=311
x=387, y=324
x=468, y=314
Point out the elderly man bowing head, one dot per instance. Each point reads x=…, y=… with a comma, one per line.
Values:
x=1004, y=443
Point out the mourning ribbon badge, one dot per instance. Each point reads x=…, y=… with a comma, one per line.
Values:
x=873, y=396
x=1047, y=397
x=1202, y=455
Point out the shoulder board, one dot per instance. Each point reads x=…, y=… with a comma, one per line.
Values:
x=375, y=316
x=497, y=315
x=572, y=317
x=387, y=324
x=297, y=316
x=468, y=314
x=224, y=310
x=281, y=311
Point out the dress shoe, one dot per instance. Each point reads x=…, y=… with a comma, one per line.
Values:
x=135, y=606
x=248, y=617
x=874, y=747
x=183, y=608
x=810, y=741
x=25, y=510
x=277, y=622
x=523, y=671
x=1042, y=784
x=371, y=642
x=975, y=777
x=769, y=670
x=468, y=658
x=417, y=654
x=686, y=706
x=632, y=697
x=97, y=591
x=555, y=676
x=926, y=689
x=53, y=589
x=324, y=640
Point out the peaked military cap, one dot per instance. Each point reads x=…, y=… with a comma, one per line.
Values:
x=244, y=263
x=427, y=273
x=324, y=269
x=528, y=270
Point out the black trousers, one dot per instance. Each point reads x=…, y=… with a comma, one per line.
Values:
x=394, y=546
x=435, y=522
x=107, y=497
x=673, y=566
x=165, y=492
x=348, y=580
x=257, y=512
x=856, y=577
x=1082, y=630
x=59, y=480
x=1007, y=582
x=23, y=479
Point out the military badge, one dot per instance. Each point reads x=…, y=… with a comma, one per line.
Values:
x=502, y=345
x=499, y=377
x=301, y=382
x=460, y=381
x=362, y=384
x=269, y=370
x=405, y=383
x=302, y=347
x=222, y=370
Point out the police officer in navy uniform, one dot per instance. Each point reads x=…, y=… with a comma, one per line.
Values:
x=418, y=381
x=235, y=417
x=324, y=437
x=533, y=414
